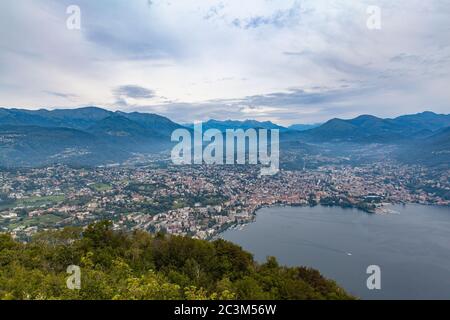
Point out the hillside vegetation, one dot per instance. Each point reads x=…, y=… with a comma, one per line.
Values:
x=118, y=265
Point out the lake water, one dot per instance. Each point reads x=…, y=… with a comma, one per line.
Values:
x=412, y=247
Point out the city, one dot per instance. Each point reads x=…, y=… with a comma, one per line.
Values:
x=200, y=201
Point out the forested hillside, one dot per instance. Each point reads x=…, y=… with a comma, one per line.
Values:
x=118, y=265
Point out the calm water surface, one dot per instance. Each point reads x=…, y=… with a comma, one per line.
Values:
x=412, y=246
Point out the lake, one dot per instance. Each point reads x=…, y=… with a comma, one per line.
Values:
x=411, y=246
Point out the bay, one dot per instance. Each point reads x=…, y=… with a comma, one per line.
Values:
x=411, y=246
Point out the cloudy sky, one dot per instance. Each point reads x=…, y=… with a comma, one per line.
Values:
x=289, y=61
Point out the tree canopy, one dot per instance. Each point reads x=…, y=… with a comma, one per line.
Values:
x=118, y=265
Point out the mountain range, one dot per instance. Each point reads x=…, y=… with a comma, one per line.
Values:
x=84, y=136
x=367, y=128
x=92, y=135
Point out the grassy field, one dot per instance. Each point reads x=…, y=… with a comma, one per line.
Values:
x=101, y=187
x=40, y=221
x=33, y=202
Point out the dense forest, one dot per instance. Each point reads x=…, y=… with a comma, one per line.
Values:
x=118, y=265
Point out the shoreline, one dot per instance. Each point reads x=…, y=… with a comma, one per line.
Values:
x=380, y=210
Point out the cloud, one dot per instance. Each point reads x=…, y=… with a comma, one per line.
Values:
x=132, y=91
x=291, y=106
x=61, y=94
x=279, y=19
x=286, y=61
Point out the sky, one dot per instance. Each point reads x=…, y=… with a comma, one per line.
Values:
x=289, y=61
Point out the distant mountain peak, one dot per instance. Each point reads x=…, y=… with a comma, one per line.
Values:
x=238, y=124
x=368, y=128
x=304, y=127
x=366, y=117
